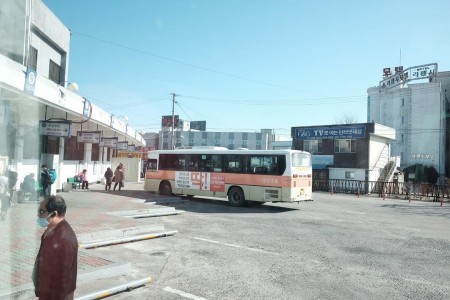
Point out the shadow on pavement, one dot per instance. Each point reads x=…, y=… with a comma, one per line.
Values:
x=198, y=204
x=436, y=210
x=208, y=205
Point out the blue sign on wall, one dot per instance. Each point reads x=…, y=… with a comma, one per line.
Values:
x=30, y=81
x=328, y=132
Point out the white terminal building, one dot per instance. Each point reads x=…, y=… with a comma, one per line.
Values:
x=418, y=111
x=42, y=118
x=194, y=134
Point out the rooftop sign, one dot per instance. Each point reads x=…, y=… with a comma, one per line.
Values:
x=403, y=76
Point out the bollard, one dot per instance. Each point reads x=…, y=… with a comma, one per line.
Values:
x=331, y=189
x=442, y=201
x=357, y=192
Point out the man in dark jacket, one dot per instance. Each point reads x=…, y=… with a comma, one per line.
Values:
x=55, y=269
x=12, y=180
x=46, y=181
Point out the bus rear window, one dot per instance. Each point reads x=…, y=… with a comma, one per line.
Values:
x=301, y=160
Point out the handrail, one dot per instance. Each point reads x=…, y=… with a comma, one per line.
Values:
x=379, y=156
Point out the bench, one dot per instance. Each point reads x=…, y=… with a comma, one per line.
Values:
x=74, y=181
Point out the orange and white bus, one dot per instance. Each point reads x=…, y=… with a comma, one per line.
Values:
x=241, y=175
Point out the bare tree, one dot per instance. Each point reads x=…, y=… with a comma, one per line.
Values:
x=346, y=118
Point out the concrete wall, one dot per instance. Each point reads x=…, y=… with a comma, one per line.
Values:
x=379, y=152
x=12, y=28
x=133, y=167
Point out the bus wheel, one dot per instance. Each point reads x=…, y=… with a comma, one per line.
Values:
x=165, y=188
x=236, y=197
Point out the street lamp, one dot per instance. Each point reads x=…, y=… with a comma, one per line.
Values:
x=71, y=86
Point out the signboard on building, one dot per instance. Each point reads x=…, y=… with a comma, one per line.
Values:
x=122, y=145
x=198, y=125
x=331, y=132
x=110, y=142
x=92, y=137
x=131, y=154
x=166, y=121
x=428, y=71
x=30, y=81
x=61, y=129
x=131, y=147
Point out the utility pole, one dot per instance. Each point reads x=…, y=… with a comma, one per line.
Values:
x=172, y=140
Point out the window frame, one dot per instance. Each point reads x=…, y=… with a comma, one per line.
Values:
x=309, y=147
x=54, y=72
x=339, y=148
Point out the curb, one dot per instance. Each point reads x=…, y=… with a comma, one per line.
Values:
x=135, y=238
x=119, y=233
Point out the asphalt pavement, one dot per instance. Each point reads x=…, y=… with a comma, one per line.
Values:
x=321, y=244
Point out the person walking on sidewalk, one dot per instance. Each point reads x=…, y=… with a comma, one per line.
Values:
x=55, y=269
x=108, y=176
x=83, y=179
x=119, y=176
x=46, y=181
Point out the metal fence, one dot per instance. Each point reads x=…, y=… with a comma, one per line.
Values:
x=427, y=191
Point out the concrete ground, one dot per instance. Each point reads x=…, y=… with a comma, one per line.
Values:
x=340, y=241
x=95, y=215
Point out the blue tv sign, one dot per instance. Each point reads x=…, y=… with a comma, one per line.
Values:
x=328, y=132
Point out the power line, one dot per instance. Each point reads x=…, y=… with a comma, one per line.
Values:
x=178, y=104
x=191, y=65
x=311, y=101
x=144, y=101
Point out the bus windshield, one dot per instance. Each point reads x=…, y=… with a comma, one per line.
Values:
x=301, y=160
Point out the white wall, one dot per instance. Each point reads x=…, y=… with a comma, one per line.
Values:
x=339, y=173
x=425, y=125
x=133, y=167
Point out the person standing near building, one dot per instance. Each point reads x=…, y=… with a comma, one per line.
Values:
x=46, y=181
x=119, y=177
x=4, y=196
x=108, y=177
x=55, y=269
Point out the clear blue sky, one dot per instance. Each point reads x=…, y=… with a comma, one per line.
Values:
x=243, y=65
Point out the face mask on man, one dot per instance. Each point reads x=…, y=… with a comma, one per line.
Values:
x=43, y=221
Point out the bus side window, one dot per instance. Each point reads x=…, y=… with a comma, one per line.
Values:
x=152, y=165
